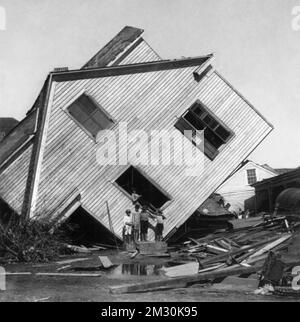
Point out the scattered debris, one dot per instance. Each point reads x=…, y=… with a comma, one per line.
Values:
x=64, y=267
x=183, y=281
x=222, y=254
x=15, y=273
x=43, y=299
x=79, y=249
x=134, y=254
x=70, y=261
x=105, y=261
x=69, y=274
x=181, y=270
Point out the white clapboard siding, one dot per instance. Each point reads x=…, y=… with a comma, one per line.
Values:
x=143, y=53
x=146, y=101
x=13, y=180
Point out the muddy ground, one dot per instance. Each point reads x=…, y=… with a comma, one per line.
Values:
x=33, y=288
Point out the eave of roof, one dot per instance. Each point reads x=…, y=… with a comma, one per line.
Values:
x=129, y=69
x=279, y=178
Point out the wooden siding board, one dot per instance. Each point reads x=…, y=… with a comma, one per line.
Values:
x=142, y=54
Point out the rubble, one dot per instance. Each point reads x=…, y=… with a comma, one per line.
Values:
x=223, y=254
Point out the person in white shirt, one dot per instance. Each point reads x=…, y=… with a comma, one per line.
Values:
x=127, y=221
x=135, y=197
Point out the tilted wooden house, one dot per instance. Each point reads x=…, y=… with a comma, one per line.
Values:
x=48, y=163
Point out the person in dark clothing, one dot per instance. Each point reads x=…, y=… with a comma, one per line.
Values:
x=144, y=217
x=159, y=225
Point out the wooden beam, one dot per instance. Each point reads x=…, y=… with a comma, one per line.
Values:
x=129, y=69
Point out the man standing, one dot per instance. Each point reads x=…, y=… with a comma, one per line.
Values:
x=159, y=225
x=136, y=219
x=145, y=214
x=127, y=228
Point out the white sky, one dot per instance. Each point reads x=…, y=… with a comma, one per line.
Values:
x=255, y=48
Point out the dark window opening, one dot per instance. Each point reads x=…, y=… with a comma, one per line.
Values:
x=251, y=175
x=90, y=115
x=150, y=194
x=198, y=118
x=83, y=229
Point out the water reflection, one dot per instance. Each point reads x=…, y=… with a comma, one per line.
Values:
x=141, y=269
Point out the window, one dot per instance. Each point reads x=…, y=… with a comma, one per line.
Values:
x=89, y=115
x=151, y=195
x=251, y=176
x=215, y=133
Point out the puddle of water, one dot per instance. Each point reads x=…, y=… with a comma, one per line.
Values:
x=138, y=269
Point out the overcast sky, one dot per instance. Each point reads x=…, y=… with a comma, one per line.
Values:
x=254, y=44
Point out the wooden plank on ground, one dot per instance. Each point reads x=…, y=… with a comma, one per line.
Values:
x=182, y=270
x=15, y=273
x=183, y=281
x=271, y=245
x=70, y=261
x=68, y=274
x=105, y=261
x=225, y=256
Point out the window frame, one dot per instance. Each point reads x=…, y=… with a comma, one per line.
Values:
x=247, y=176
x=97, y=105
x=157, y=186
x=210, y=150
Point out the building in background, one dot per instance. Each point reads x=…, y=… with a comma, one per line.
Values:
x=267, y=191
x=238, y=190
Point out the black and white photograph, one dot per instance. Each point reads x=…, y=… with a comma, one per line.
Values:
x=149, y=154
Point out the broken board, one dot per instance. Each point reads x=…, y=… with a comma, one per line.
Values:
x=182, y=270
x=147, y=248
x=105, y=261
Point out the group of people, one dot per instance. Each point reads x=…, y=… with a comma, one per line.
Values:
x=136, y=223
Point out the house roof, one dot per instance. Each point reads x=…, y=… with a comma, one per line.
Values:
x=284, y=170
x=280, y=178
x=264, y=167
x=114, y=48
x=267, y=167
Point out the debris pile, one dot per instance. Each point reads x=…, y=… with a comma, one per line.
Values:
x=235, y=252
x=247, y=245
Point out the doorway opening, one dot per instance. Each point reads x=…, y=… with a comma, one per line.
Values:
x=82, y=228
x=151, y=195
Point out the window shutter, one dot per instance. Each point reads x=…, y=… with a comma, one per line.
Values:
x=182, y=125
